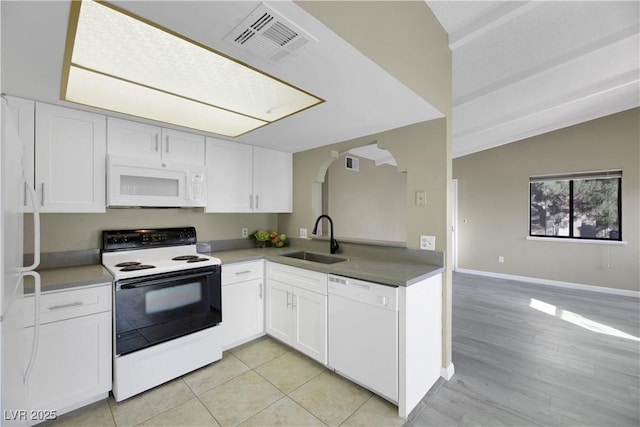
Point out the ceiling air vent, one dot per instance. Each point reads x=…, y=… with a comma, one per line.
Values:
x=268, y=35
x=352, y=163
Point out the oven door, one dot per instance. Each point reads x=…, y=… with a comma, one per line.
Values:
x=157, y=308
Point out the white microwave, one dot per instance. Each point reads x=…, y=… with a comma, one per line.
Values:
x=135, y=182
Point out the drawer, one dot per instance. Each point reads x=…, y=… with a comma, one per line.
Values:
x=242, y=271
x=67, y=304
x=306, y=279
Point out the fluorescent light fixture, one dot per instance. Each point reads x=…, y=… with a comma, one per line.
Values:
x=120, y=62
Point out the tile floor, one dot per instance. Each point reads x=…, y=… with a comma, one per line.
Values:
x=262, y=383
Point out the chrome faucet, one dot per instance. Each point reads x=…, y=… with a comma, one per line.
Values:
x=333, y=243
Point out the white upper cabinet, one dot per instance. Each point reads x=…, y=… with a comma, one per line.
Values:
x=70, y=148
x=242, y=178
x=230, y=176
x=272, y=180
x=182, y=147
x=23, y=111
x=140, y=140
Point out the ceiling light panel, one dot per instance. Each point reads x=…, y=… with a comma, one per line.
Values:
x=90, y=88
x=123, y=47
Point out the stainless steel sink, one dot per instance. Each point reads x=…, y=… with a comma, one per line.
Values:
x=314, y=257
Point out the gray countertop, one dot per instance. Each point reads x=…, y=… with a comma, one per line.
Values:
x=54, y=279
x=392, y=271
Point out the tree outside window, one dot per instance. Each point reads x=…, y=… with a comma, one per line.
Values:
x=583, y=206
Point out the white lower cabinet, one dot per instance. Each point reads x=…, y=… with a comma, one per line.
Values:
x=296, y=311
x=73, y=360
x=242, y=302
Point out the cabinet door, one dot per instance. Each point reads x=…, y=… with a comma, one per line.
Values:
x=243, y=312
x=310, y=324
x=70, y=159
x=133, y=139
x=229, y=176
x=272, y=180
x=23, y=113
x=182, y=147
x=278, y=315
x=73, y=362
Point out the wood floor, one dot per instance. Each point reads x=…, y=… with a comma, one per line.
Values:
x=534, y=355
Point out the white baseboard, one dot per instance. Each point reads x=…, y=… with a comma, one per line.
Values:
x=557, y=283
x=447, y=372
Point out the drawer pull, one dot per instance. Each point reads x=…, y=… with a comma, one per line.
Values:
x=238, y=273
x=71, y=304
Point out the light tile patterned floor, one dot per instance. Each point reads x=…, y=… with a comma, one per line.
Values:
x=262, y=383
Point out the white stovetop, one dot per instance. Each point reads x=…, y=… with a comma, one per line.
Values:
x=161, y=258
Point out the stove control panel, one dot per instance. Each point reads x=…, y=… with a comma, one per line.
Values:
x=118, y=240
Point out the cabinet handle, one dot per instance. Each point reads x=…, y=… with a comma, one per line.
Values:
x=167, y=146
x=257, y=201
x=71, y=304
x=293, y=301
x=42, y=194
x=251, y=201
x=238, y=273
x=288, y=303
x=157, y=143
x=25, y=194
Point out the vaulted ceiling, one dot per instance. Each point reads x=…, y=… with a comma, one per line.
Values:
x=523, y=68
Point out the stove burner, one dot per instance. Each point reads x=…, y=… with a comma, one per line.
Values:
x=128, y=264
x=196, y=259
x=185, y=258
x=137, y=267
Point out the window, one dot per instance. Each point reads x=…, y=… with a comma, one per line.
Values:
x=578, y=206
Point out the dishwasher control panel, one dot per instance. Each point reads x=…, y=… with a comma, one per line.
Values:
x=365, y=292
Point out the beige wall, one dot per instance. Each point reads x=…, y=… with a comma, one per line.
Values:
x=419, y=151
x=66, y=232
x=367, y=204
x=493, y=209
x=405, y=39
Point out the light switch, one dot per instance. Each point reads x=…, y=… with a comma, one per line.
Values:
x=421, y=197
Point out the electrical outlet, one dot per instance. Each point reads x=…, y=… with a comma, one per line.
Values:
x=428, y=242
x=500, y=258
x=245, y=232
x=421, y=197
x=303, y=233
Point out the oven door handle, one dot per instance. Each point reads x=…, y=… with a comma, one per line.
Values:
x=139, y=285
x=142, y=284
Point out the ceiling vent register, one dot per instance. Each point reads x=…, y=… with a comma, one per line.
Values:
x=269, y=35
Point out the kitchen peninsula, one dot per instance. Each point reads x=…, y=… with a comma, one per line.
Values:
x=416, y=275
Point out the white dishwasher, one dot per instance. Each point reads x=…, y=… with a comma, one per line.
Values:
x=363, y=334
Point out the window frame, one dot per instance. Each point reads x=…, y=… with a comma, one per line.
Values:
x=571, y=177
